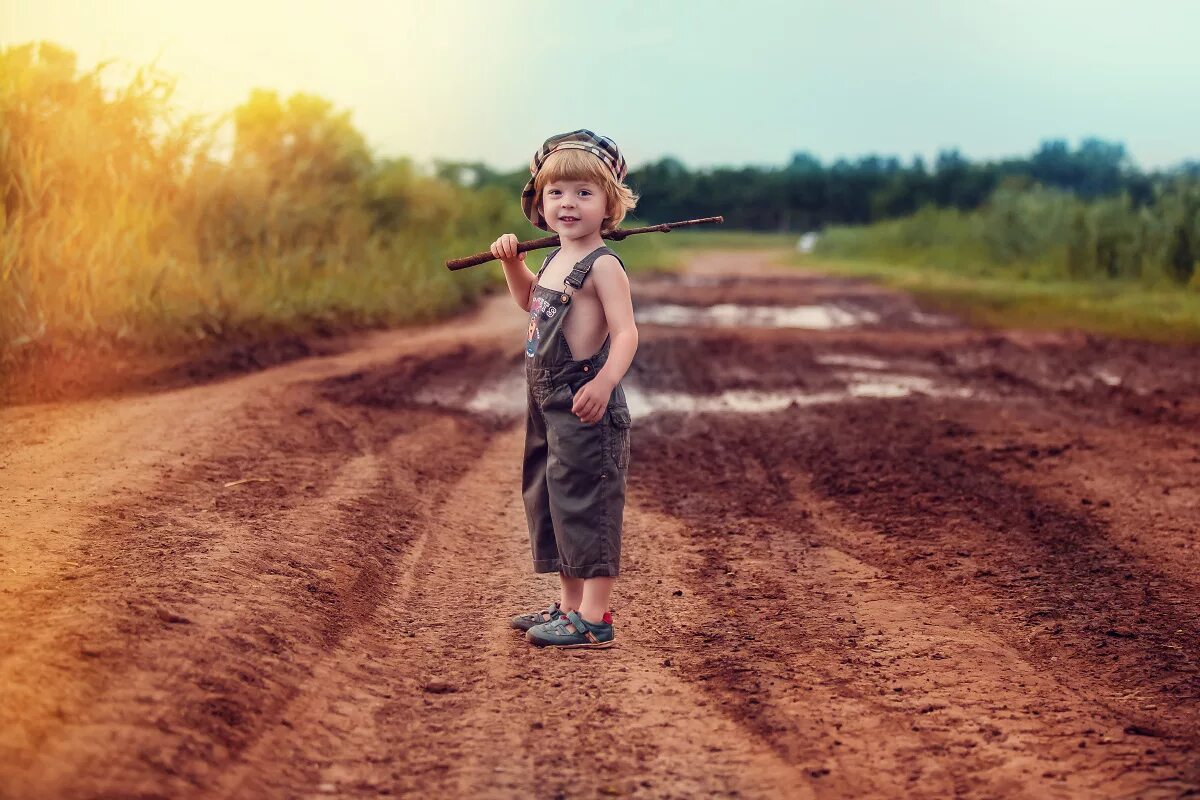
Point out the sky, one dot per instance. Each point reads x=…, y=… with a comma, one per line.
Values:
x=710, y=83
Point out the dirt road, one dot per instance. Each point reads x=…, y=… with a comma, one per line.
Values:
x=869, y=552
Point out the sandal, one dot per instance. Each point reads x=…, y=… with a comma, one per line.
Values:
x=526, y=621
x=555, y=633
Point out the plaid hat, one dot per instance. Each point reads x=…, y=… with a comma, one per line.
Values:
x=602, y=147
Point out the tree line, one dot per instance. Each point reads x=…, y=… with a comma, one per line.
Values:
x=806, y=194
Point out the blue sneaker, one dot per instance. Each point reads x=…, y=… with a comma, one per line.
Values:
x=558, y=633
x=526, y=621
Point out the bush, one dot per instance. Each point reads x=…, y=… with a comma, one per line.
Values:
x=121, y=221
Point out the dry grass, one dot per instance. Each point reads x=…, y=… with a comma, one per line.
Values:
x=120, y=226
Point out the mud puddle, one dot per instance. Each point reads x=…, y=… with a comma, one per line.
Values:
x=731, y=315
x=506, y=397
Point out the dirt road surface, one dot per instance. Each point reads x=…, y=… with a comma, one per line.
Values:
x=869, y=552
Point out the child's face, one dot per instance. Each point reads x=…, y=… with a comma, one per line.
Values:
x=583, y=201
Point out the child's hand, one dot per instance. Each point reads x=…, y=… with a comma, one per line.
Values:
x=591, y=400
x=505, y=249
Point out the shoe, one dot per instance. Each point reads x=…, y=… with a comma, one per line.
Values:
x=557, y=633
x=524, y=622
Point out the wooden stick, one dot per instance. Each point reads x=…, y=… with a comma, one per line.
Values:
x=553, y=241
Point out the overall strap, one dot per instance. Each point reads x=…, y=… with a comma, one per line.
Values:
x=580, y=272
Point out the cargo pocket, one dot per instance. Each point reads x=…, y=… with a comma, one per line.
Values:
x=621, y=422
x=557, y=397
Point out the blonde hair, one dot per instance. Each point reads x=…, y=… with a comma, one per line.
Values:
x=573, y=164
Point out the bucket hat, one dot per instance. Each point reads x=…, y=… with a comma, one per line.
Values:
x=602, y=147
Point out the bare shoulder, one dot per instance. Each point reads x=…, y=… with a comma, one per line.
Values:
x=608, y=269
x=611, y=285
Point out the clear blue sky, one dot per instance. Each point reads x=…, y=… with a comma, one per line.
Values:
x=712, y=83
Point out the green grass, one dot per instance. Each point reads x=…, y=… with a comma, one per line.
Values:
x=714, y=237
x=1117, y=308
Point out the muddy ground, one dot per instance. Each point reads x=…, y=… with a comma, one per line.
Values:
x=869, y=552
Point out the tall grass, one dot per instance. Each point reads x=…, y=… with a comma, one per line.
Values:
x=121, y=224
x=1034, y=256
x=1044, y=234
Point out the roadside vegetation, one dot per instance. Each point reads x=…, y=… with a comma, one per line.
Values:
x=129, y=228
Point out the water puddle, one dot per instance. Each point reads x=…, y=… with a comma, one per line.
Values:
x=818, y=317
x=507, y=398
x=858, y=362
x=878, y=386
x=932, y=320
x=730, y=315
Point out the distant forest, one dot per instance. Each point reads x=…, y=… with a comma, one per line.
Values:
x=806, y=194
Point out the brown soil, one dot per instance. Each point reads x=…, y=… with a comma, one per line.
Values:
x=73, y=372
x=297, y=582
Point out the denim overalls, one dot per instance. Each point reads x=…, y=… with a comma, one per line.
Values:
x=573, y=478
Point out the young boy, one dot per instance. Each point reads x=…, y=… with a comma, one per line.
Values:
x=579, y=343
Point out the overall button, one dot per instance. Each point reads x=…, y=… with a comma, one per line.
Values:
x=565, y=298
x=585, y=367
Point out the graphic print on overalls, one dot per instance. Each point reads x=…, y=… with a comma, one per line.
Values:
x=531, y=342
x=536, y=309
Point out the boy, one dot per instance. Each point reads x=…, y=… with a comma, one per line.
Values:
x=579, y=343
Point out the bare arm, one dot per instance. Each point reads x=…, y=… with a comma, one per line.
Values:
x=520, y=279
x=612, y=287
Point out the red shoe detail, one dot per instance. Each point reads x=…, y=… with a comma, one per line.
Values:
x=607, y=618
